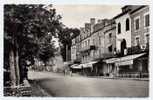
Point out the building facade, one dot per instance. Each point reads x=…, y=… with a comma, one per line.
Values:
x=123, y=30
x=108, y=46
x=140, y=26
x=73, y=50
x=110, y=39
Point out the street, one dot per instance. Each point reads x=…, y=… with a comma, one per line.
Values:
x=58, y=85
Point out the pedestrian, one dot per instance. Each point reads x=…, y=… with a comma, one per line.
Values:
x=70, y=73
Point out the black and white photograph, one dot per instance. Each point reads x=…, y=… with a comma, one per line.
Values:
x=77, y=50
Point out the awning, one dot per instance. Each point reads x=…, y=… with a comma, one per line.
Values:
x=111, y=60
x=89, y=65
x=122, y=63
x=76, y=66
x=128, y=60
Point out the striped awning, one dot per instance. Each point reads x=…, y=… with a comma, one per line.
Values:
x=89, y=65
x=126, y=60
x=76, y=66
x=111, y=60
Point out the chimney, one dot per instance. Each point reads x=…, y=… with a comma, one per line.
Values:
x=126, y=8
x=92, y=22
x=99, y=21
x=87, y=27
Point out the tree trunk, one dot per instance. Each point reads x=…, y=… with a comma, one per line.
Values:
x=12, y=68
x=17, y=67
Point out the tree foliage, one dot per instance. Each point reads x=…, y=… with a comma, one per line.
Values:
x=65, y=37
x=26, y=29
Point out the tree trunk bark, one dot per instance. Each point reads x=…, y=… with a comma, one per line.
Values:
x=17, y=67
x=12, y=68
x=14, y=65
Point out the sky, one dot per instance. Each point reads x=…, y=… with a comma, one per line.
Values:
x=75, y=16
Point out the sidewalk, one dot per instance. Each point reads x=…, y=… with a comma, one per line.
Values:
x=120, y=78
x=18, y=91
x=37, y=91
x=139, y=79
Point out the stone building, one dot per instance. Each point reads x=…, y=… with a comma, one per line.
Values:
x=140, y=29
x=140, y=26
x=110, y=39
x=73, y=50
x=108, y=46
x=123, y=30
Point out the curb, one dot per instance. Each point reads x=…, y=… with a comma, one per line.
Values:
x=117, y=78
x=42, y=91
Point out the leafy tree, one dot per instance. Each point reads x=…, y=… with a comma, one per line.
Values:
x=65, y=37
x=25, y=27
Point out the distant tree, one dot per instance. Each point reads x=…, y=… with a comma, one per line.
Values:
x=65, y=37
x=25, y=27
x=47, y=50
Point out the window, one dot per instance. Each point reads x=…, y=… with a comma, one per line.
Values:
x=119, y=28
x=93, y=42
x=110, y=48
x=88, y=42
x=147, y=38
x=127, y=24
x=137, y=24
x=110, y=37
x=85, y=44
x=137, y=41
x=99, y=40
x=147, y=20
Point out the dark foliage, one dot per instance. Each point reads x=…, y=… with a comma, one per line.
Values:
x=26, y=29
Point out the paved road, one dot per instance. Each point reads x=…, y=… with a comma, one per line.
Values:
x=66, y=86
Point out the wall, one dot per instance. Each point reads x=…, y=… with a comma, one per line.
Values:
x=124, y=34
x=142, y=30
x=111, y=28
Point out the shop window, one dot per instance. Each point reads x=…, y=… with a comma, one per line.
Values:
x=147, y=38
x=110, y=48
x=137, y=39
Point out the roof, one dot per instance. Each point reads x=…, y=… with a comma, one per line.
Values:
x=137, y=9
x=132, y=10
x=121, y=14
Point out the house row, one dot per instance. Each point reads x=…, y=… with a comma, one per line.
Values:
x=115, y=47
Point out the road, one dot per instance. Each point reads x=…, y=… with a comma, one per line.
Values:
x=77, y=86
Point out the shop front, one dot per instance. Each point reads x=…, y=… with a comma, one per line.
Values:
x=132, y=66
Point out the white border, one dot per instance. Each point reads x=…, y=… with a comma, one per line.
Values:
x=90, y=2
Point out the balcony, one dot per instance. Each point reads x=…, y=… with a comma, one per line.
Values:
x=85, y=49
x=93, y=47
x=88, y=49
x=134, y=50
